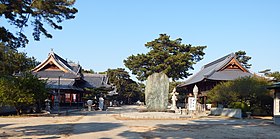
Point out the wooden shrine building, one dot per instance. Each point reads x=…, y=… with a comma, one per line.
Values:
x=66, y=80
x=224, y=69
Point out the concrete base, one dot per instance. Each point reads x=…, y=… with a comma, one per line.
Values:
x=235, y=113
x=153, y=115
x=276, y=119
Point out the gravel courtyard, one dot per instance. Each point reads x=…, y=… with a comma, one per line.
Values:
x=107, y=125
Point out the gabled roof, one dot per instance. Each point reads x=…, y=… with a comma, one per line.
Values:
x=67, y=69
x=62, y=74
x=223, y=69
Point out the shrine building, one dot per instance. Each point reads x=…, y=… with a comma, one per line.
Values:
x=66, y=80
x=226, y=68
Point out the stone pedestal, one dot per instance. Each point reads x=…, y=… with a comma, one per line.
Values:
x=156, y=92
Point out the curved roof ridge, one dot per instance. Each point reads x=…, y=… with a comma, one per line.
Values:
x=209, y=69
x=58, y=60
x=220, y=63
x=62, y=62
x=218, y=60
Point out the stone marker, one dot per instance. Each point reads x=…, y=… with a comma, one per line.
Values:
x=156, y=92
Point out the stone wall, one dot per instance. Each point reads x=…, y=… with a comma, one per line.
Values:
x=235, y=113
x=156, y=92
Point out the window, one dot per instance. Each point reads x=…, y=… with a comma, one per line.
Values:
x=67, y=97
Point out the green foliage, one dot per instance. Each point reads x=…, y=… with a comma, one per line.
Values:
x=12, y=61
x=243, y=59
x=22, y=91
x=240, y=105
x=87, y=71
x=165, y=55
x=128, y=90
x=223, y=93
x=249, y=90
x=21, y=13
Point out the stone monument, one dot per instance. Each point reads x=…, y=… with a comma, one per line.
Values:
x=156, y=92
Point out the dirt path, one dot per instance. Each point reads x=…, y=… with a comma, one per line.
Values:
x=108, y=125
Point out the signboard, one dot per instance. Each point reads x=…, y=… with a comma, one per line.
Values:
x=192, y=103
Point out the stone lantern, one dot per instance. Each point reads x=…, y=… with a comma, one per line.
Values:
x=195, y=93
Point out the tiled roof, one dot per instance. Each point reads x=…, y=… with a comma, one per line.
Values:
x=55, y=83
x=55, y=74
x=95, y=80
x=69, y=75
x=212, y=71
x=68, y=67
x=74, y=68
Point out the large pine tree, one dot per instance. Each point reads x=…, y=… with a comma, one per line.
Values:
x=169, y=56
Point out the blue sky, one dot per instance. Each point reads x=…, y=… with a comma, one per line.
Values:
x=106, y=32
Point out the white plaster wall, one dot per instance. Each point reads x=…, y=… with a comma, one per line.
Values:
x=277, y=108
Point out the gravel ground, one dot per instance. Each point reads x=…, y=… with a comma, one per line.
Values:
x=109, y=124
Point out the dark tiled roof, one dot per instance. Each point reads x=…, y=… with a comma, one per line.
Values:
x=95, y=80
x=54, y=83
x=229, y=74
x=69, y=66
x=72, y=67
x=212, y=71
x=55, y=74
x=71, y=78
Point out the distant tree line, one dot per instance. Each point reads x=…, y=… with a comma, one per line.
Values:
x=129, y=91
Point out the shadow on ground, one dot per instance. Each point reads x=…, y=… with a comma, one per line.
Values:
x=205, y=129
x=56, y=130
x=3, y=125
